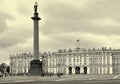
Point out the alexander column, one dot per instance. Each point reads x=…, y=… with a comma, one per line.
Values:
x=36, y=64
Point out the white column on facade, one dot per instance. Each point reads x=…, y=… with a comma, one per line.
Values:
x=81, y=69
x=110, y=70
x=98, y=70
x=52, y=62
x=102, y=70
x=88, y=70
x=52, y=70
x=75, y=60
x=27, y=70
x=106, y=70
x=88, y=61
x=82, y=60
x=48, y=70
x=105, y=59
x=48, y=64
x=73, y=70
x=72, y=61
x=67, y=70
x=55, y=71
x=78, y=60
x=110, y=60
x=17, y=67
x=102, y=60
x=67, y=60
x=55, y=65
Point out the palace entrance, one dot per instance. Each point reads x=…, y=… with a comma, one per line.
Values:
x=77, y=70
x=85, y=70
x=70, y=70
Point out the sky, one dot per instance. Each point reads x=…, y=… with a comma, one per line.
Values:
x=96, y=23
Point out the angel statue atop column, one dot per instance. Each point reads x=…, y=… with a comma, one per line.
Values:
x=35, y=7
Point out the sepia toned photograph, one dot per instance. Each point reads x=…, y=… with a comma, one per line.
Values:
x=59, y=41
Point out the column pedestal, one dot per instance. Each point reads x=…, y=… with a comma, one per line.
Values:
x=35, y=68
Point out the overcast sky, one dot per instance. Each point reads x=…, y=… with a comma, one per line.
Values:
x=95, y=22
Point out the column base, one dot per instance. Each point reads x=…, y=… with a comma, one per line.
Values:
x=35, y=68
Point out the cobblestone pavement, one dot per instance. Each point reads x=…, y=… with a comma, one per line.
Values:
x=19, y=79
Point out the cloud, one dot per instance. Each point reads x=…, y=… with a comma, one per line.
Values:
x=23, y=8
x=64, y=18
x=3, y=21
x=14, y=36
x=3, y=25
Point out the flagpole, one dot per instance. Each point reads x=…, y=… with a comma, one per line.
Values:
x=78, y=43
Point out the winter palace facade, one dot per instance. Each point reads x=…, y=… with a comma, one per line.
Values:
x=76, y=61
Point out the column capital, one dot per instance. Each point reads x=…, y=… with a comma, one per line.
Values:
x=36, y=17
